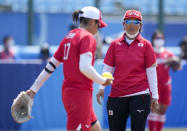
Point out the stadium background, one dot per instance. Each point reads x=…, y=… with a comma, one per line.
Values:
x=50, y=22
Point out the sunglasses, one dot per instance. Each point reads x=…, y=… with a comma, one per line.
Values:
x=159, y=37
x=132, y=21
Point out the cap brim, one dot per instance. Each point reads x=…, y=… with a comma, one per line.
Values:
x=132, y=17
x=102, y=24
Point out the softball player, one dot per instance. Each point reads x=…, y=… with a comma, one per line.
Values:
x=156, y=120
x=77, y=52
x=132, y=61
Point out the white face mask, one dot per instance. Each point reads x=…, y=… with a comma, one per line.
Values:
x=158, y=43
x=132, y=36
x=11, y=42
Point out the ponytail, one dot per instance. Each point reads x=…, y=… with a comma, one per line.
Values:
x=82, y=20
x=75, y=16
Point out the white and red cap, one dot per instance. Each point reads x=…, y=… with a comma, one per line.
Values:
x=133, y=14
x=93, y=13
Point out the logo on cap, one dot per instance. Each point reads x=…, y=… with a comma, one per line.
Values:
x=133, y=13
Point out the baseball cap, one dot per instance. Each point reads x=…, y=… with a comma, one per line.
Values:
x=133, y=14
x=93, y=13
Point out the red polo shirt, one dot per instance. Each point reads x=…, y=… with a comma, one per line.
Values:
x=130, y=62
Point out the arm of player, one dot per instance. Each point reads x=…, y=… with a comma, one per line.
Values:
x=153, y=84
x=152, y=80
x=85, y=66
x=45, y=74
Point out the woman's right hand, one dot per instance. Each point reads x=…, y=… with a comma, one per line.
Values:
x=108, y=81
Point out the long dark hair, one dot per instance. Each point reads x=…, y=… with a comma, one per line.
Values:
x=82, y=20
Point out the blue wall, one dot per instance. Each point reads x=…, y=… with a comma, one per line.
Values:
x=53, y=27
x=48, y=110
x=47, y=27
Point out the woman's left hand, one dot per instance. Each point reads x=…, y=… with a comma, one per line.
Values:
x=154, y=105
x=100, y=94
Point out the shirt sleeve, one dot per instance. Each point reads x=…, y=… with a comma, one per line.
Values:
x=110, y=56
x=153, y=82
x=150, y=57
x=59, y=54
x=87, y=44
x=88, y=70
x=171, y=54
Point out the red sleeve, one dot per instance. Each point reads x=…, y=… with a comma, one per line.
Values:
x=150, y=57
x=88, y=44
x=110, y=56
x=170, y=54
x=59, y=54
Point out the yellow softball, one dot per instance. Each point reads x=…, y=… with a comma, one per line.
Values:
x=107, y=75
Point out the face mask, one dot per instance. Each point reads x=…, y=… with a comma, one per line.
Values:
x=11, y=42
x=132, y=36
x=158, y=43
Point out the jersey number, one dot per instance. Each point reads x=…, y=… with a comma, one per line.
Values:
x=66, y=50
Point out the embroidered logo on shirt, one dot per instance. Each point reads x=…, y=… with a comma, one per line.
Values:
x=110, y=112
x=140, y=111
x=118, y=43
x=140, y=44
x=70, y=35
